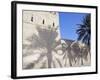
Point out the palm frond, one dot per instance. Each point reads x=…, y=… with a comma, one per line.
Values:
x=84, y=30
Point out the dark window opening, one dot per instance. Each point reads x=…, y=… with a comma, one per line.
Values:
x=53, y=24
x=32, y=18
x=43, y=21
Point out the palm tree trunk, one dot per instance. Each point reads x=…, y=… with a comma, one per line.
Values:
x=70, y=62
x=49, y=57
x=81, y=60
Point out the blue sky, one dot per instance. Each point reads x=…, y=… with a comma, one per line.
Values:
x=68, y=24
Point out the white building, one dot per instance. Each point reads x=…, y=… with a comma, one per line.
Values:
x=32, y=19
x=48, y=21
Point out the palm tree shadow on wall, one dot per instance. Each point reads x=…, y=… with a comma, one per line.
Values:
x=46, y=38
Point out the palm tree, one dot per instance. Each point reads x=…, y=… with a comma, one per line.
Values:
x=84, y=30
x=84, y=34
